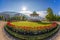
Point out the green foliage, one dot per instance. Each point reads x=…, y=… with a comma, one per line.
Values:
x=27, y=37
x=1, y=17
x=51, y=16
x=18, y=18
x=24, y=18
x=58, y=18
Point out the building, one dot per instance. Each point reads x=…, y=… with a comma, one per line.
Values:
x=34, y=17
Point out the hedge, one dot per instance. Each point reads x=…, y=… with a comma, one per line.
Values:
x=28, y=37
x=21, y=31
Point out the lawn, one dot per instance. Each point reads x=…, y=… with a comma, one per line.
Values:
x=30, y=24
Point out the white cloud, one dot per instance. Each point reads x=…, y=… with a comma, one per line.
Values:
x=26, y=12
x=41, y=13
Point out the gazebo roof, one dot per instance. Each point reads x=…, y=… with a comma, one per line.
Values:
x=34, y=14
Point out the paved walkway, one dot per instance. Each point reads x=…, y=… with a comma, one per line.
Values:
x=57, y=36
x=5, y=36
x=2, y=34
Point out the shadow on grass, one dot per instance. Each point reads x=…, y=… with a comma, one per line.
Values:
x=43, y=22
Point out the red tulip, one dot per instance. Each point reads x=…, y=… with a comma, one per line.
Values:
x=8, y=23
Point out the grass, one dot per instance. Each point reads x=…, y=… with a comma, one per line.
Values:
x=30, y=24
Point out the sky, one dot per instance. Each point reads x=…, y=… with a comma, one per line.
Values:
x=30, y=6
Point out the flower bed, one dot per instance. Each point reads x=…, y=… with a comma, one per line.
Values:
x=31, y=31
x=53, y=25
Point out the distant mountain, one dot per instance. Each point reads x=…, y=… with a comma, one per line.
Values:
x=20, y=14
x=11, y=14
x=5, y=15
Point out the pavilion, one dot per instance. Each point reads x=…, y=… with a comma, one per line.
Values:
x=34, y=17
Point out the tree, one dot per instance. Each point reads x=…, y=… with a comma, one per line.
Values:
x=2, y=18
x=23, y=18
x=57, y=18
x=50, y=15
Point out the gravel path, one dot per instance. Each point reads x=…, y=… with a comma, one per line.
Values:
x=5, y=36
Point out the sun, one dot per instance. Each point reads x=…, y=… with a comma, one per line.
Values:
x=24, y=8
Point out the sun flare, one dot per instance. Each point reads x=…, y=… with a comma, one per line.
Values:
x=24, y=8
